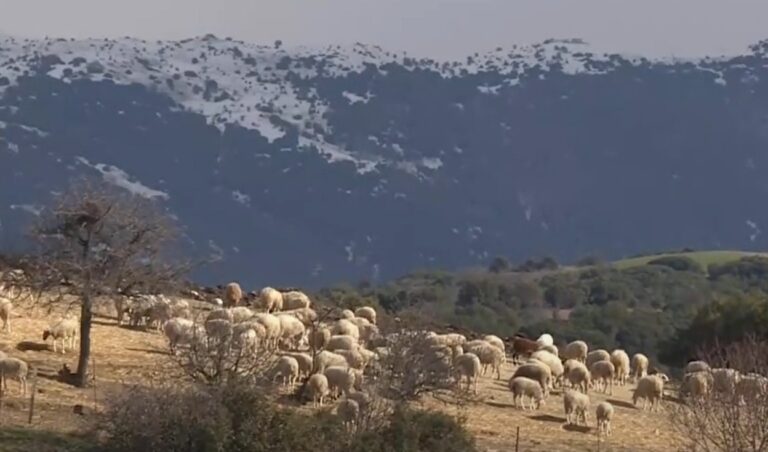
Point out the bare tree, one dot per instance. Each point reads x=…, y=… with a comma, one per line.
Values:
x=95, y=241
x=733, y=413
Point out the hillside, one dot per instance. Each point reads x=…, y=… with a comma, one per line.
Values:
x=703, y=258
x=350, y=163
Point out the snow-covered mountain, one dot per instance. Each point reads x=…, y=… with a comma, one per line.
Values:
x=308, y=166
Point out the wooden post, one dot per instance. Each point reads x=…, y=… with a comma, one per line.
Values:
x=517, y=440
x=95, y=400
x=32, y=399
x=2, y=380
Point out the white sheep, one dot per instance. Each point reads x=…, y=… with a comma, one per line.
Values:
x=345, y=327
x=576, y=350
x=220, y=314
x=550, y=348
x=346, y=314
x=449, y=339
x=639, y=365
x=287, y=367
x=233, y=294
x=308, y=316
x=538, y=372
x=620, y=361
x=553, y=362
x=360, y=322
x=576, y=405
x=578, y=375
x=604, y=415
x=14, y=369
x=64, y=330
x=595, y=356
x=357, y=358
x=751, y=387
x=349, y=411
x=363, y=400
x=292, y=331
x=241, y=314
x=650, y=389
x=368, y=333
x=181, y=331
x=295, y=300
x=271, y=299
x=342, y=379
x=366, y=312
x=603, y=374
x=522, y=388
x=696, y=366
x=317, y=389
x=696, y=384
x=6, y=310
x=272, y=328
x=725, y=380
x=545, y=339
x=248, y=335
x=218, y=331
x=490, y=356
x=467, y=365
x=326, y=359
x=319, y=337
x=495, y=341
x=304, y=360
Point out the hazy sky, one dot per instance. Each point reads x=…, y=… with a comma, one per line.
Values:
x=439, y=28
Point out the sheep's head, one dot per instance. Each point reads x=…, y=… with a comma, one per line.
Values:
x=46, y=333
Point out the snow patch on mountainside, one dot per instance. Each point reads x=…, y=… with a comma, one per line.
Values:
x=120, y=178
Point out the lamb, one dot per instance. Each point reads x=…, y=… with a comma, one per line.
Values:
x=650, y=388
x=366, y=312
x=360, y=322
x=639, y=366
x=523, y=347
x=248, y=335
x=271, y=299
x=522, y=388
x=342, y=379
x=233, y=294
x=326, y=359
x=346, y=314
x=550, y=348
x=545, y=339
x=495, y=341
x=604, y=414
x=357, y=358
x=576, y=407
x=368, y=333
x=363, y=400
x=180, y=331
x=597, y=355
x=220, y=314
x=304, y=360
x=241, y=314
x=6, y=308
x=696, y=366
x=15, y=369
x=603, y=373
x=576, y=350
x=292, y=331
x=272, y=328
x=295, y=300
x=578, y=375
x=317, y=389
x=620, y=361
x=468, y=365
x=319, y=337
x=64, y=330
x=490, y=356
x=552, y=362
x=346, y=327
x=537, y=372
x=287, y=367
x=696, y=384
x=349, y=411
x=307, y=316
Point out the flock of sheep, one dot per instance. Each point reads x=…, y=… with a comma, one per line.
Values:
x=334, y=355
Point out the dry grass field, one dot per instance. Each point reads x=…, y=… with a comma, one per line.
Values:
x=124, y=356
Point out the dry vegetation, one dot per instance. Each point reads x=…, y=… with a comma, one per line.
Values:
x=124, y=356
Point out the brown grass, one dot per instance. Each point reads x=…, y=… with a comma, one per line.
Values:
x=124, y=356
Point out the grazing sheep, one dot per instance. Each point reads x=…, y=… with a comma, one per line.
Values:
x=218, y=331
x=578, y=375
x=360, y=322
x=287, y=367
x=467, y=365
x=295, y=300
x=307, y=316
x=545, y=339
x=639, y=366
x=696, y=384
x=752, y=387
x=490, y=356
x=272, y=328
x=522, y=388
x=495, y=341
x=450, y=339
x=550, y=349
x=602, y=374
x=604, y=414
x=319, y=337
x=620, y=361
x=342, y=379
x=576, y=407
x=537, y=372
x=233, y=294
x=122, y=307
x=363, y=400
x=366, y=312
x=696, y=366
x=14, y=369
x=341, y=342
x=326, y=359
x=725, y=380
x=292, y=331
x=368, y=333
x=576, y=350
x=6, y=308
x=346, y=314
x=317, y=389
x=241, y=314
x=64, y=330
x=180, y=331
x=595, y=356
x=357, y=358
x=522, y=347
x=271, y=299
x=551, y=361
x=650, y=388
x=247, y=336
x=304, y=360
x=220, y=314
x=345, y=327
x=348, y=411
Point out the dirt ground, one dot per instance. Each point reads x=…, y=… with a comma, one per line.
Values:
x=124, y=357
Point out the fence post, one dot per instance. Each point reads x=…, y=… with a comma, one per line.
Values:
x=1, y=396
x=95, y=401
x=517, y=439
x=32, y=399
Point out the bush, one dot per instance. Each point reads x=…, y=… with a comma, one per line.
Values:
x=679, y=263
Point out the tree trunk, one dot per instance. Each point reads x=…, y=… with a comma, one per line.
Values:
x=86, y=315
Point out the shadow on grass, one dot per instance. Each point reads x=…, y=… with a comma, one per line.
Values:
x=149, y=350
x=548, y=418
x=620, y=403
x=14, y=439
x=576, y=428
x=27, y=346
